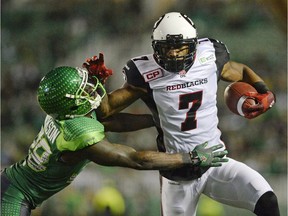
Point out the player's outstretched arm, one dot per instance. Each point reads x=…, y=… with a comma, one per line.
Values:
x=108, y=154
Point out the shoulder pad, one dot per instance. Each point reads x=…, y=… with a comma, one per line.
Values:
x=79, y=132
x=211, y=40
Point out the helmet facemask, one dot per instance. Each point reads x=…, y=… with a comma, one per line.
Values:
x=185, y=53
x=90, y=91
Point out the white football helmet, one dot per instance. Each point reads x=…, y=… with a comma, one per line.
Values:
x=174, y=31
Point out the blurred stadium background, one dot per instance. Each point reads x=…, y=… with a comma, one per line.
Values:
x=39, y=35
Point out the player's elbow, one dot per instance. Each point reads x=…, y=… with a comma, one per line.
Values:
x=103, y=112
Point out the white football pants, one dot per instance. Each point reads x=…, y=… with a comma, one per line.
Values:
x=234, y=184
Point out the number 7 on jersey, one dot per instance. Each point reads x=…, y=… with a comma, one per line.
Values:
x=195, y=98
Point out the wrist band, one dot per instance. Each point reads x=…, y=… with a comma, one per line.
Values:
x=260, y=87
x=194, y=158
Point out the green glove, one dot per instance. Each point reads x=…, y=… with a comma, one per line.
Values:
x=205, y=157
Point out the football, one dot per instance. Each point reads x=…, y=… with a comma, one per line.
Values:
x=235, y=98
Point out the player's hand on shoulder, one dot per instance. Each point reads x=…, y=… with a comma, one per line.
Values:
x=96, y=67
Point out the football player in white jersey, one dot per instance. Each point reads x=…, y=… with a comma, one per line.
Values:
x=178, y=82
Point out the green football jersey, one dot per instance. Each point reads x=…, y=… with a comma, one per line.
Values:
x=41, y=174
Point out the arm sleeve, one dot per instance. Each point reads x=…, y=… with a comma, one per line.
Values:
x=79, y=133
x=132, y=75
x=222, y=55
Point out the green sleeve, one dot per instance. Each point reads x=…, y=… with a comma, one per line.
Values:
x=79, y=133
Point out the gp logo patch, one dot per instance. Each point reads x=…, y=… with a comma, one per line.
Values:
x=206, y=59
x=152, y=75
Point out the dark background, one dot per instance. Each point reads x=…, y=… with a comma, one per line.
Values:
x=37, y=36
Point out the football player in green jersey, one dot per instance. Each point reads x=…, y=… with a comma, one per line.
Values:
x=71, y=137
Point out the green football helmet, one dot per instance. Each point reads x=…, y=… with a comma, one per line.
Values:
x=67, y=92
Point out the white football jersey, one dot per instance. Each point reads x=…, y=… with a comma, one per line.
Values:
x=184, y=103
x=184, y=108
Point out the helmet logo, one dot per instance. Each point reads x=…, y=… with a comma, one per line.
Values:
x=182, y=73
